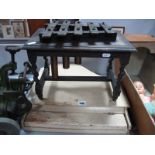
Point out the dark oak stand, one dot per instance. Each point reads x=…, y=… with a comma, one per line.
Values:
x=76, y=40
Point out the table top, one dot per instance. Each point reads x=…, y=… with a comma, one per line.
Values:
x=120, y=45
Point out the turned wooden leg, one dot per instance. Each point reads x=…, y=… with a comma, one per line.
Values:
x=117, y=88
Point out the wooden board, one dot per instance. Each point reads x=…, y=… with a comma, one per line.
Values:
x=62, y=111
x=76, y=123
x=140, y=116
x=141, y=40
x=143, y=120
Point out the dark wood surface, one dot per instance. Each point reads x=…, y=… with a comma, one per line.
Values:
x=120, y=45
x=89, y=47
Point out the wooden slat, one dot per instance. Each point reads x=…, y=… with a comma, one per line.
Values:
x=90, y=123
x=105, y=27
x=81, y=109
x=93, y=28
x=139, y=38
x=49, y=30
x=142, y=41
x=143, y=120
x=64, y=28
x=44, y=130
x=76, y=78
x=144, y=123
x=78, y=28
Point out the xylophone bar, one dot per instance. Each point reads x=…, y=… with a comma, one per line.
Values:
x=93, y=28
x=78, y=28
x=47, y=34
x=64, y=28
x=62, y=32
x=106, y=28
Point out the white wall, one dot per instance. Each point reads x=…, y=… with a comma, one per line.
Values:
x=138, y=26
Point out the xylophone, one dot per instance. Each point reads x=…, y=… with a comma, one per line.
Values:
x=66, y=40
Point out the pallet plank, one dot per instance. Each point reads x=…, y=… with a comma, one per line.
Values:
x=76, y=121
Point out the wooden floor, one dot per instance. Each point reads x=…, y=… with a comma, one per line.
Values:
x=78, y=107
